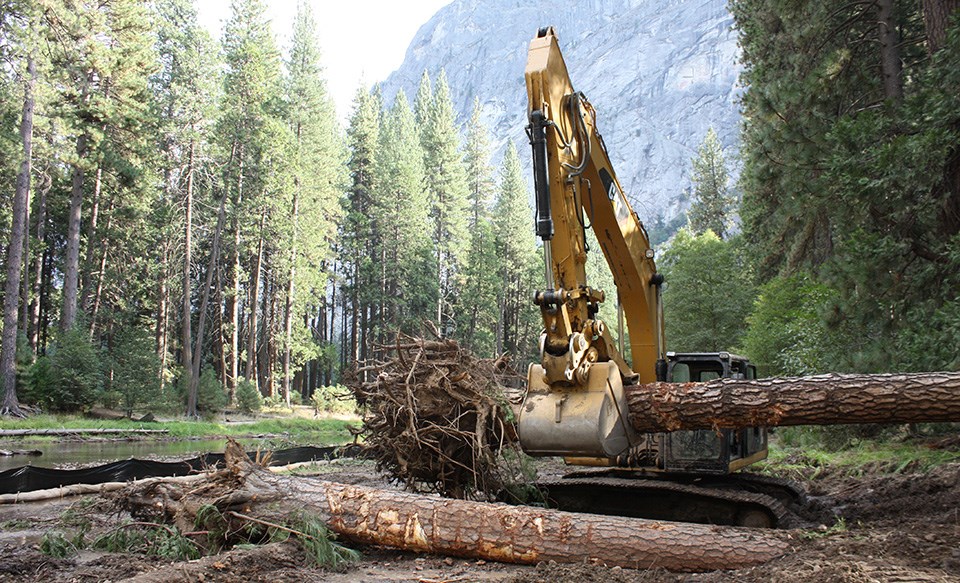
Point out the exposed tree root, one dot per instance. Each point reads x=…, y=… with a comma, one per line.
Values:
x=437, y=417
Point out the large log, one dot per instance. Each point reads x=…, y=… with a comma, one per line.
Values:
x=829, y=399
x=514, y=534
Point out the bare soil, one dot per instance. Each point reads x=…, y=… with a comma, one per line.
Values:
x=875, y=527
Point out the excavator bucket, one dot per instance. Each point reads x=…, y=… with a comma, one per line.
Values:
x=583, y=421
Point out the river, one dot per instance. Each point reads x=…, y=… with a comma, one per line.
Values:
x=73, y=454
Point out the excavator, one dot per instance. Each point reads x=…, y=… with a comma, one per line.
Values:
x=575, y=406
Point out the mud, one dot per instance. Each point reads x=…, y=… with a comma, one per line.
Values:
x=875, y=527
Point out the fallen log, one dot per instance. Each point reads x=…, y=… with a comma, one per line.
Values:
x=481, y=530
x=829, y=399
x=81, y=489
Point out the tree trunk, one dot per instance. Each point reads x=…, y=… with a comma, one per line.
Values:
x=830, y=399
x=889, y=50
x=250, y=370
x=161, y=332
x=35, y=302
x=187, y=314
x=93, y=243
x=94, y=307
x=936, y=19
x=194, y=378
x=288, y=300
x=233, y=296
x=18, y=228
x=71, y=267
x=511, y=534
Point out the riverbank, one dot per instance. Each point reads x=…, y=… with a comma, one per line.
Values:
x=332, y=429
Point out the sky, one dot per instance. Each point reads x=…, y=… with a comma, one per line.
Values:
x=362, y=40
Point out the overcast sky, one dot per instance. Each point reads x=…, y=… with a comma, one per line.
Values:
x=362, y=40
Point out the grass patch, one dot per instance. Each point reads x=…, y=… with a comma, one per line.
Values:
x=808, y=457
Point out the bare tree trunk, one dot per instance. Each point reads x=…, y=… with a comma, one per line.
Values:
x=889, y=50
x=232, y=307
x=830, y=399
x=71, y=268
x=252, y=319
x=18, y=228
x=93, y=243
x=36, y=300
x=510, y=534
x=94, y=308
x=24, y=325
x=163, y=311
x=204, y=301
x=187, y=313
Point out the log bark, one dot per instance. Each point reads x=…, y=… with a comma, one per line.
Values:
x=513, y=534
x=830, y=399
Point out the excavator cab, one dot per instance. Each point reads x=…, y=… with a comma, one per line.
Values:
x=710, y=451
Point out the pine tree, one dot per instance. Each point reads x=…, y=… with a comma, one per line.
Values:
x=712, y=204
x=516, y=256
x=478, y=305
x=446, y=182
x=408, y=292
x=184, y=93
x=318, y=174
x=14, y=257
x=252, y=138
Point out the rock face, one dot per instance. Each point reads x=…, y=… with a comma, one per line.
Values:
x=659, y=73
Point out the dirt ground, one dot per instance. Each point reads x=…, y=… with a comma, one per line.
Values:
x=875, y=527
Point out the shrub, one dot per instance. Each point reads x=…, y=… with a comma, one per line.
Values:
x=135, y=370
x=211, y=396
x=68, y=378
x=248, y=397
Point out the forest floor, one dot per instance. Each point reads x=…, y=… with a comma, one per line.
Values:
x=881, y=521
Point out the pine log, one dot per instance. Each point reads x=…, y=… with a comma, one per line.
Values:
x=499, y=532
x=829, y=399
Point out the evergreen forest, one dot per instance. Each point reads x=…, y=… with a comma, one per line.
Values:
x=186, y=220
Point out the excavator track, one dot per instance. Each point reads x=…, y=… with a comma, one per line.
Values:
x=737, y=499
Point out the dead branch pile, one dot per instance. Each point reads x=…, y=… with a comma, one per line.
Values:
x=437, y=417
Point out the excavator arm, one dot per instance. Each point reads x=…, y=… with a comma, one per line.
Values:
x=574, y=405
x=576, y=187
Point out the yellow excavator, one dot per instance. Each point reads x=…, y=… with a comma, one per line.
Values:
x=575, y=406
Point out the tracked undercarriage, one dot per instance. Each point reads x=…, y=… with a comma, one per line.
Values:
x=738, y=499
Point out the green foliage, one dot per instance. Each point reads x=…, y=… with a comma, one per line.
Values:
x=56, y=544
x=477, y=315
x=854, y=450
x=156, y=541
x=788, y=334
x=320, y=543
x=402, y=209
x=708, y=293
x=516, y=259
x=68, y=378
x=335, y=399
x=853, y=180
x=248, y=397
